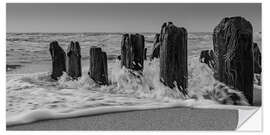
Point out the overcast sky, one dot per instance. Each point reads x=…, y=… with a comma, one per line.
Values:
x=89, y=17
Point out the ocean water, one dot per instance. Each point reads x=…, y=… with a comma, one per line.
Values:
x=32, y=95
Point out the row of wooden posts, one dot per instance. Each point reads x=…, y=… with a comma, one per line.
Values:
x=232, y=40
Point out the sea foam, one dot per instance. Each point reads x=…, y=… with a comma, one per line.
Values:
x=32, y=97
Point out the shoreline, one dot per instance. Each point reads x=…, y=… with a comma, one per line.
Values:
x=155, y=119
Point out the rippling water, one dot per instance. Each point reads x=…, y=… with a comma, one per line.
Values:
x=23, y=48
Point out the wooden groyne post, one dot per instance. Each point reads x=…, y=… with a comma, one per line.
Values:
x=145, y=53
x=157, y=42
x=156, y=47
x=257, y=59
x=173, y=57
x=74, y=68
x=98, y=66
x=132, y=51
x=232, y=40
x=58, y=60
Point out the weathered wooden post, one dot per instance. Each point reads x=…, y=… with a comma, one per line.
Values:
x=58, y=60
x=173, y=57
x=156, y=47
x=132, y=51
x=257, y=59
x=162, y=31
x=232, y=40
x=145, y=53
x=74, y=68
x=98, y=66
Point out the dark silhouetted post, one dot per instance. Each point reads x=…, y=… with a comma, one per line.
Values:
x=257, y=59
x=156, y=47
x=58, y=60
x=157, y=41
x=132, y=51
x=98, y=66
x=232, y=40
x=173, y=57
x=74, y=68
x=145, y=53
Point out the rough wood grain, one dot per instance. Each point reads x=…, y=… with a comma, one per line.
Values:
x=156, y=47
x=132, y=51
x=58, y=56
x=232, y=40
x=173, y=57
x=257, y=59
x=158, y=40
x=98, y=66
x=74, y=68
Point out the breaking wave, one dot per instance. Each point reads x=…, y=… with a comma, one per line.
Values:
x=32, y=97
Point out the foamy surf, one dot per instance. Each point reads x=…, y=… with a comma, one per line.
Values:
x=36, y=115
x=33, y=97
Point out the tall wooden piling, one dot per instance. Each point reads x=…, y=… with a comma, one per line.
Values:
x=58, y=60
x=162, y=30
x=156, y=47
x=132, y=51
x=74, y=68
x=98, y=66
x=232, y=40
x=173, y=57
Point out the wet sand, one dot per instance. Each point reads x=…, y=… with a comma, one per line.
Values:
x=157, y=119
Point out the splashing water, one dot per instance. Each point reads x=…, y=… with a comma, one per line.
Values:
x=32, y=97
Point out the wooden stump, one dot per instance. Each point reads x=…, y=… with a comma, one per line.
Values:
x=145, y=53
x=58, y=60
x=156, y=47
x=257, y=59
x=98, y=66
x=74, y=68
x=158, y=40
x=173, y=57
x=232, y=40
x=132, y=51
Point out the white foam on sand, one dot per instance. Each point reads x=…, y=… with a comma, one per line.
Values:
x=32, y=97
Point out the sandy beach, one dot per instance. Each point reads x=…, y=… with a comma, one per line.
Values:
x=158, y=119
